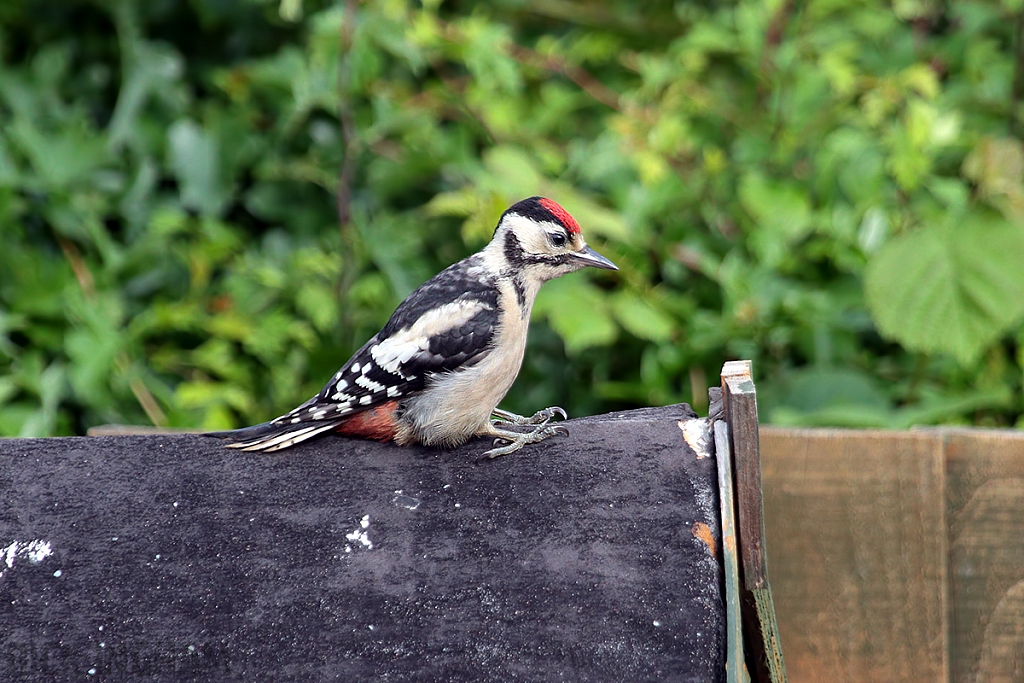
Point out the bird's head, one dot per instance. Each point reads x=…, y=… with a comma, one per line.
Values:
x=540, y=239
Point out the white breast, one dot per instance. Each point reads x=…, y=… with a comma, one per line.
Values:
x=457, y=405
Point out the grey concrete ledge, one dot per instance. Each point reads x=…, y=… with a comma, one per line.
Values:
x=152, y=558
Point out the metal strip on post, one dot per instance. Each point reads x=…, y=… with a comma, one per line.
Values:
x=740, y=398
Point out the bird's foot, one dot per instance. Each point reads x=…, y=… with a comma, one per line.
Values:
x=516, y=440
x=541, y=417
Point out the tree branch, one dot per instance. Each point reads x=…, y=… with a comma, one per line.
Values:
x=349, y=138
x=581, y=77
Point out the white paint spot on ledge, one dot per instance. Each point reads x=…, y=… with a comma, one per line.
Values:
x=697, y=434
x=360, y=535
x=33, y=551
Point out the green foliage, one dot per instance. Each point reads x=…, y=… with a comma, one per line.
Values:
x=954, y=287
x=206, y=207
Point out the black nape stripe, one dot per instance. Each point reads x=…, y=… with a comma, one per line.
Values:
x=514, y=253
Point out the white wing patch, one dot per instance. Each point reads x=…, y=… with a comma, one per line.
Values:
x=391, y=353
x=403, y=345
x=367, y=383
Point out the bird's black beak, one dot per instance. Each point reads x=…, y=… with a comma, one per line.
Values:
x=589, y=257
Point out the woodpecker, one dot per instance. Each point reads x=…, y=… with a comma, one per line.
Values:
x=435, y=374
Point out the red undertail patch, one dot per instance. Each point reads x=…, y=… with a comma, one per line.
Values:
x=377, y=423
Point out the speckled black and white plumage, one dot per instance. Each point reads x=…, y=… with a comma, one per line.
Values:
x=452, y=348
x=379, y=371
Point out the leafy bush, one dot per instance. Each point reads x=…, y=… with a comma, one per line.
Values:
x=206, y=207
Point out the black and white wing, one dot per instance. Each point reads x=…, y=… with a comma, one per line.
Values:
x=448, y=323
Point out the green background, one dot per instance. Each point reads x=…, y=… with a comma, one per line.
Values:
x=206, y=206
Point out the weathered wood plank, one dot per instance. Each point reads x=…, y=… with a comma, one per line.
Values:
x=740, y=402
x=764, y=608
x=735, y=671
x=856, y=524
x=741, y=415
x=986, y=534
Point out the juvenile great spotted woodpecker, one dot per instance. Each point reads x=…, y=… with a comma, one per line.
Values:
x=435, y=373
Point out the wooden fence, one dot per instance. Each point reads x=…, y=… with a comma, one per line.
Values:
x=897, y=556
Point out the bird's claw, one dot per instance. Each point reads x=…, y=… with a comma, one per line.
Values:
x=541, y=417
x=556, y=410
x=547, y=415
x=516, y=440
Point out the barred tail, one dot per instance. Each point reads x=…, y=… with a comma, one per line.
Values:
x=273, y=436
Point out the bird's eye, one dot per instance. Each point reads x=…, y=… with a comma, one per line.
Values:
x=558, y=239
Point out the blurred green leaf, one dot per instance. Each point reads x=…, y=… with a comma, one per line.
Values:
x=641, y=318
x=782, y=212
x=152, y=68
x=820, y=396
x=578, y=312
x=59, y=158
x=950, y=288
x=319, y=304
x=194, y=158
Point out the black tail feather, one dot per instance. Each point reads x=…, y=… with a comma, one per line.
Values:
x=249, y=433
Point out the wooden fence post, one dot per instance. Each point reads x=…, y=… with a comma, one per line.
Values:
x=740, y=402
